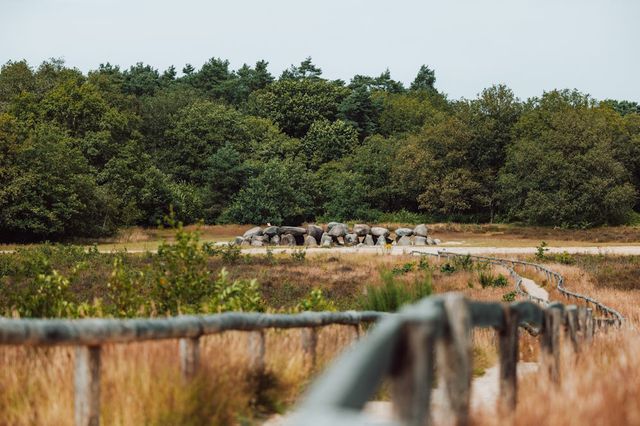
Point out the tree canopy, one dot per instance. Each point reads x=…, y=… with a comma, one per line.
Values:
x=83, y=154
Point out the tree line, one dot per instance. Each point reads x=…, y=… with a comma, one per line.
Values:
x=84, y=154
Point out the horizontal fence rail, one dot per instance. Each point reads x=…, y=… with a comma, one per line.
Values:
x=434, y=338
x=612, y=316
x=405, y=346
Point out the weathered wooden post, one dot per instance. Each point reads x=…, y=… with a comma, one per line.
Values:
x=572, y=327
x=309, y=340
x=508, y=345
x=189, y=348
x=87, y=386
x=550, y=343
x=356, y=331
x=257, y=349
x=453, y=353
x=412, y=379
x=582, y=324
x=589, y=327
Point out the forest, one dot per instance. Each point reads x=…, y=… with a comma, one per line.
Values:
x=82, y=155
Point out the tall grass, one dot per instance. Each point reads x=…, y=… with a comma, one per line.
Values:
x=392, y=293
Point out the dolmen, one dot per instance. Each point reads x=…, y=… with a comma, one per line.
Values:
x=336, y=234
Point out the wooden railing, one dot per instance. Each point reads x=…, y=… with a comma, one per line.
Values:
x=404, y=346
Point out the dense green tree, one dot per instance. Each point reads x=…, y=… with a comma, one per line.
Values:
x=198, y=131
x=383, y=82
x=326, y=141
x=281, y=194
x=142, y=193
x=306, y=69
x=51, y=192
x=15, y=78
x=141, y=79
x=561, y=169
x=425, y=79
x=227, y=174
x=361, y=110
x=295, y=104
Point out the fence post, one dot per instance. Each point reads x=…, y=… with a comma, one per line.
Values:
x=87, y=386
x=356, y=331
x=582, y=324
x=413, y=374
x=189, y=348
x=572, y=326
x=309, y=337
x=550, y=343
x=508, y=344
x=589, y=327
x=453, y=353
x=256, y=351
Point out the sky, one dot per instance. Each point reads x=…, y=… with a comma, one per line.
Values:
x=529, y=45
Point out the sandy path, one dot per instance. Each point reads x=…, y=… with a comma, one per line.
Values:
x=485, y=391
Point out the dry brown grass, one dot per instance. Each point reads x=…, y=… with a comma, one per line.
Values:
x=141, y=383
x=599, y=387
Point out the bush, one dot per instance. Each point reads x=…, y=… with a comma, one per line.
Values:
x=487, y=279
x=315, y=301
x=123, y=290
x=239, y=295
x=298, y=255
x=404, y=269
x=447, y=268
x=509, y=297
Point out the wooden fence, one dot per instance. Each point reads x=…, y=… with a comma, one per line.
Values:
x=405, y=346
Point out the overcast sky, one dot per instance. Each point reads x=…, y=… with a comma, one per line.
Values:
x=530, y=45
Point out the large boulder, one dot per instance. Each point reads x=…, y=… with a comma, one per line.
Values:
x=287, y=240
x=368, y=240
x=351, y=239
x=332, y=224
x=420, y=241
x=339, y=230
x=421, y=230
x=310, y=241
x=404, y=232
x=315, y=231
x=253, y=231
x=271, y=231
x=378, y=231
x=404, y=241
x=326, y=240
x=296, y=231
x=257, y=242
x=246, y=242
x=238, y=241
x=275, y=240
x=430, y=241
x=436, y=241
x=361, y=229
x=382, y=241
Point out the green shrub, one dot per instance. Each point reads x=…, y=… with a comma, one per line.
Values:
x=45, y=296
x=509, y=297
x=299, y=255
x=486, y=279
x=500, y=281
x=239, y=295
x=404, y=269
x=463, y=262
x=315, y=301
x=541, y=250
x=447, y=268
x=123, y=290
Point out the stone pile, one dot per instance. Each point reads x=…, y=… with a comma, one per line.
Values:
x=336, y=234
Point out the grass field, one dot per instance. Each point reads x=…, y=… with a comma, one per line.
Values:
x=141, y=383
